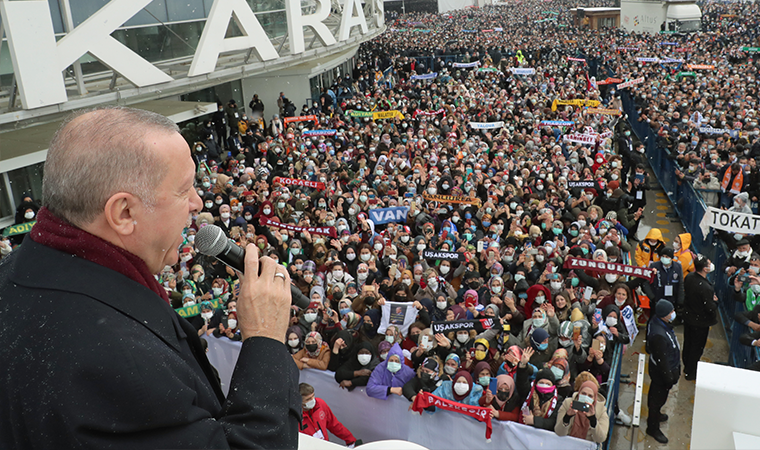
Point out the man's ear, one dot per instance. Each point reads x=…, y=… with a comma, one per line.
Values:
x=120, y=213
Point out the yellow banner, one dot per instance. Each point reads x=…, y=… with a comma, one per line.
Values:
x=604, y=111
x=576, y=102
x=387, y=115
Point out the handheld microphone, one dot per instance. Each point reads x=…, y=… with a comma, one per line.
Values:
x=211, y=240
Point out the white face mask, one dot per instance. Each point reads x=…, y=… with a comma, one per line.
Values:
x=293, y=342
x=310, y=404
x=350, y=256
x=390, y=339
x=310, y=317
x=29, y=215
x=539, y=322
x=364, y=359
x=433, y=284
x=207, y=315
x=444, y=269
x=231, y=323
x=361, y=276
x=225, y=215
x=463, y=338
x=620, y=303
x=496, y=289
x=407, y=281
x=365, y=257
x=711, y=268
x=443, y=305
x=450, y=370
x=540, y=258
x=461, y=388
x=378, y=247
x=676, y=246
x=556, y=285
x=585, y=399
x=610, y=277
x=337, y=274
x=540, y=299
x=611, y=321
x=421, y=247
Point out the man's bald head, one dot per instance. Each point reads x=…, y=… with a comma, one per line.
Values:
x=97, y=153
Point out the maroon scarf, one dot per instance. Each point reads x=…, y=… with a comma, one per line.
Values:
x=58, y=234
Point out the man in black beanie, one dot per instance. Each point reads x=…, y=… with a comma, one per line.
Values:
x=664, y=365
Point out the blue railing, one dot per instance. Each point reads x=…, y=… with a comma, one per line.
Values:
x=613, y=389
x=690, y=207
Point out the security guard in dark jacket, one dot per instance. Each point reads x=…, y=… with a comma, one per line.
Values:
x=668, y=281
x=664, y=365
x=699, y=313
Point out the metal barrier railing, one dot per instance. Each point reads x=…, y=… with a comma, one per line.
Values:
x=613, y=389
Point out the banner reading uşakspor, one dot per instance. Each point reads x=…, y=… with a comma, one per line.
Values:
x=297, y=182
x=465, y=65
x=324, y=231
x=581, y=184
x=731, y=221
x=443, y=256
x=462, y=325
x=425, y=400
x=605, y=267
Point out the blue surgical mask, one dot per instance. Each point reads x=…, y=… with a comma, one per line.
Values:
x=542, y=347
x=394, y=367
x=484, y=381
x=574, y=282
x=345, y=311
x=467, y=216
x=557, y=372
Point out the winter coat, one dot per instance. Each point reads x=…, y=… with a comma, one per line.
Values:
x=382, y=379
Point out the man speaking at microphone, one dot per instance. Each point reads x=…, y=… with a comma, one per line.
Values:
x=93, y=354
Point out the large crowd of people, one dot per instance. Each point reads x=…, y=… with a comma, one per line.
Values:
x=502, y=187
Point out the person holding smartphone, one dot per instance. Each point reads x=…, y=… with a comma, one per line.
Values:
x=584, y=415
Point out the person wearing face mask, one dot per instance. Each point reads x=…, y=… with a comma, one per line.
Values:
x=294, y=337
x=460, y=389
x=591, y=425
x=664, y=365
x=648, y=250
x=318, y=419
x=682, y=254
x=336, y=275
x=699, y=314
x=668, y=278
x=355, y=372
x=621, y=297
x=390, y=376
x=343, y=349
x=311, y=315
x=616, y=332
x=315, y=353
x=428, y=378
x=542, y=402
x=504, y=403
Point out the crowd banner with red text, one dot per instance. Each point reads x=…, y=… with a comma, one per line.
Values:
x=324, y=231
x=298, y=182
x=606, y=267
x=311, y=118
x=426, y=399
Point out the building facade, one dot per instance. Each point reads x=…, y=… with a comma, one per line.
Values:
x=174, y=57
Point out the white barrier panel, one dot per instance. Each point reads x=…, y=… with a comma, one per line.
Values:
x=725, y=403
x=370, y=419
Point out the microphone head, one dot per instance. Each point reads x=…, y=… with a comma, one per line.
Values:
x=210, y=240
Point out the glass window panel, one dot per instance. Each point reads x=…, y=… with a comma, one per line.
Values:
x=186, y=10
x=55, y=14
x=274, y=23
x=156, y=7
x=5, y=202
x=27, y=180
x=82, y=9
x=266, y=5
